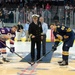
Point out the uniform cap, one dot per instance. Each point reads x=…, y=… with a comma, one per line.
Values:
x=35, y=15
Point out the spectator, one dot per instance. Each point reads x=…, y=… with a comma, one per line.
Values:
x=56, y=18
x=1, y=14
x=67, y=7
x=47, y=16
x=11, y=17
x=1, y=23
x=19, y=31
x=6, y=18
x=17, y=15
x=21, y=16
x=26, y=27
x=48, y=6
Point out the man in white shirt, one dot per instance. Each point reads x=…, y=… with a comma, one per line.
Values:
x=26, y=27
x=45, y=28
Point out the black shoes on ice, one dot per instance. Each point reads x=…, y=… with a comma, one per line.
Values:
x=5, y=60
x=60, y=61
x=1, y=62
x=63, y=63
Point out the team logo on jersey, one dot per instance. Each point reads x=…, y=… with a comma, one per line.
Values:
x=68, y=30
x=3, y=31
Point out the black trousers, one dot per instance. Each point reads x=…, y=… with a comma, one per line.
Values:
x=36, y=41
x=44, y=45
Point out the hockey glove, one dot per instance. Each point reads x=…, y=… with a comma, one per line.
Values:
x=54, y=48
x=12, y=50
x=12, y=42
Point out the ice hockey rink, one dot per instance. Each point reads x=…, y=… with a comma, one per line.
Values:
x=48, y=65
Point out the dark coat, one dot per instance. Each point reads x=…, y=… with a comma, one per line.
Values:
x=35, y=29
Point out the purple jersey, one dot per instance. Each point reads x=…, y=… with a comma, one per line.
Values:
x=4, y=31
x=7, y=31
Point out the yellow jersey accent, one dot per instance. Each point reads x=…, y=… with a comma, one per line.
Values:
x=68, y=30
x=65, y=53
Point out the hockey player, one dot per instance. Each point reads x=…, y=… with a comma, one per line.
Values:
x=67, y=36
x=5, y=34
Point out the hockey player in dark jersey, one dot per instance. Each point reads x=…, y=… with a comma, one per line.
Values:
x=65, y=34
x=5, y=34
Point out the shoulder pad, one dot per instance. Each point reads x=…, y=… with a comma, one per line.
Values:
x=62, y=28
x=8, y=29
x=68, y=30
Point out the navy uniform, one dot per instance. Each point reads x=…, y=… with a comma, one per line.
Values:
x=36, y=30
x=67, y=42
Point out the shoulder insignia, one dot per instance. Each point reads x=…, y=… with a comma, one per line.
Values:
x=58, y=26
x=62, y=28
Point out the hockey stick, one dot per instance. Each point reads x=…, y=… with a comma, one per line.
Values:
x=33, y=63
x=10, y=49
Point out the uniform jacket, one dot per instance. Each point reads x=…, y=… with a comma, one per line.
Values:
x=35, y=29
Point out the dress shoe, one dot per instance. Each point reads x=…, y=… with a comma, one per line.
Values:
x=64, y=63
x=60, y=61
x=1, y=62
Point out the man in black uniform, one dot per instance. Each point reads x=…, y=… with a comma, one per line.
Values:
x=67, y=36
x=35, y=30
